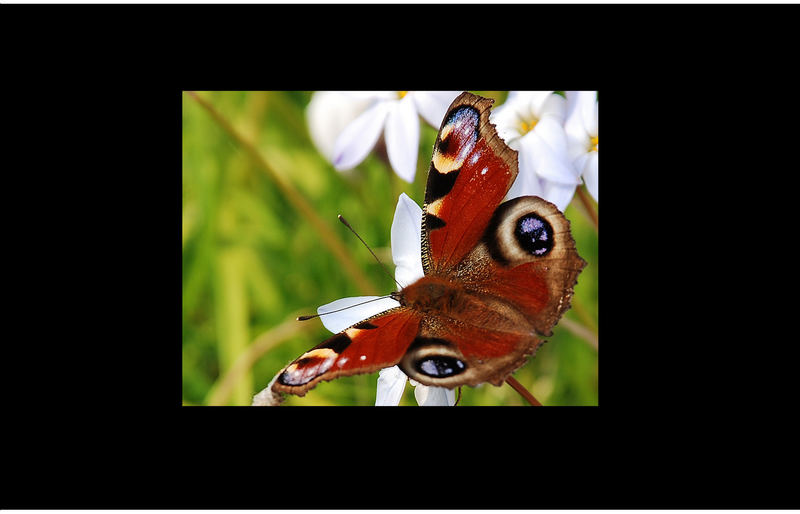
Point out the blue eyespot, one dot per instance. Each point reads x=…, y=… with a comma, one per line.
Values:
x=534, y=234
x=440, y=367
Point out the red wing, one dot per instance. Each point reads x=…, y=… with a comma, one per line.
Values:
x=524, y=286
x=471, y=171
x=373, y=344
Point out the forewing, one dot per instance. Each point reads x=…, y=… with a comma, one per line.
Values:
x=370, y=345
x=470, y=172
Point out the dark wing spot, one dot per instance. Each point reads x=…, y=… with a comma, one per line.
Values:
x=420, y=341
x=336, y=343
x=433, y=222
x=439, y=184
x=444, y=145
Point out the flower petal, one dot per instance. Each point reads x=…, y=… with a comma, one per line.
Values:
x=581, y=121
x=353, y=313
x=554, y=106
x=429, y=396
x=590, y=175
x=551, y=130
x=391, y=384
x=558, y=194
x=402, y=138
x=587, y=106
x=327, y=114
x=432, y=105
x=527, y=182
x=577, y=145
x=372, y=95
x=407, y=241
x=547, y=146
x=507, y=116
x=360, y=136
x=530, y=102
x=572, y=101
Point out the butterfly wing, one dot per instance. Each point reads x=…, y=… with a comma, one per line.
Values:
x=509, y=270
x=450, y=353
x=514, y=264
x=370, y=345
x=471, y=171
x=509, y=290
x=531, y=261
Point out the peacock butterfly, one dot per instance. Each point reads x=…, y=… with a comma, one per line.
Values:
x=496, y=275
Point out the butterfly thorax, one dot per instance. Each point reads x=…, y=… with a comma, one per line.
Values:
x=432, y=294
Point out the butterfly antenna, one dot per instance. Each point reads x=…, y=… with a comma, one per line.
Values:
x=346, y=224
x=312, y=316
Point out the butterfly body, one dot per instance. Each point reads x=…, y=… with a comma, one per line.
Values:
x=497, y=275
x=484, y=325
x=432, y=294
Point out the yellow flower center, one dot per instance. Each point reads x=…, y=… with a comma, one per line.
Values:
x=526, y=126
x=593, y=142
x=401, y=94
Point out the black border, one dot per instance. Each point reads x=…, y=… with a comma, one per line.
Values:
x=677, y=426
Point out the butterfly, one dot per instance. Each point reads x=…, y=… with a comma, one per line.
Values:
x=497, y=275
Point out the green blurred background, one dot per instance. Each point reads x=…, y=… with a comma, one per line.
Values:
x=262, y=245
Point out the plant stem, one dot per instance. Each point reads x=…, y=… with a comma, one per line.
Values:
x=324, y=231
x=514, y=383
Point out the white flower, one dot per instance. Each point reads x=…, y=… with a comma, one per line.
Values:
x=428, y=396
x=532, y=122
x=391, y=384
x=407, y=257
x=396, y=114
x=581, y=129
x=328, y=113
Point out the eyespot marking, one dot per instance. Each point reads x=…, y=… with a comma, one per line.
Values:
x=457, y=138
x=440, y=366
x=534, y=234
